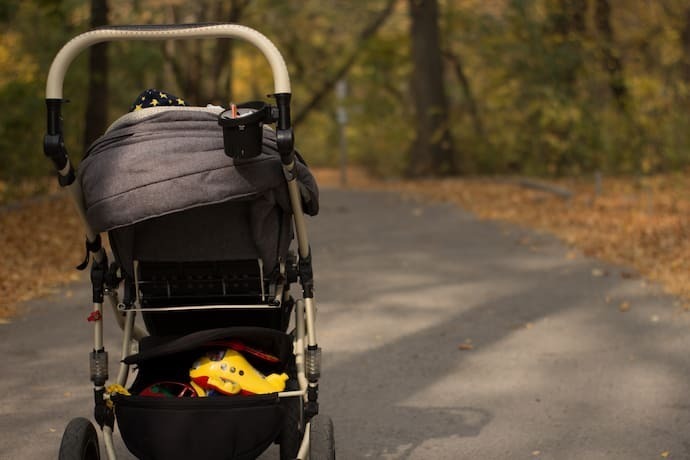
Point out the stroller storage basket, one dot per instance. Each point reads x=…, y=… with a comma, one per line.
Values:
x=214, y=427
x=163, y=359
x=221, y=428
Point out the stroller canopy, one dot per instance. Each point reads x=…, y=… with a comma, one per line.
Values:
x=160, y=161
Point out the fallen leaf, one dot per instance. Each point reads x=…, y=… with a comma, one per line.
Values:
x=665, y=454
x=465, y=346
x=598, y=272
x=536, y=453
x=624, y=306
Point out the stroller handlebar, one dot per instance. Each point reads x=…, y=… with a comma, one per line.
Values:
x=54, y=146
x=53, y=142
x=71, y=49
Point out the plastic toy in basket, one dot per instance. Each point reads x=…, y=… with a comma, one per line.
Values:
x=228, y=372
x=169, y=390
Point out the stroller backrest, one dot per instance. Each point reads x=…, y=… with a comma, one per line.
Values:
x=235, y=230
x=205, y=256
x=170, y=199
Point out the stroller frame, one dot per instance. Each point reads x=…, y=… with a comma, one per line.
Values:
x=105, y=284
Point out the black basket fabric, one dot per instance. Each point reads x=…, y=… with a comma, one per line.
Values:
x=220, y=427
x=215, y=428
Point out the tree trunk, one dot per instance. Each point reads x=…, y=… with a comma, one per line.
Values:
x=202, y=74
x=575, y=12
x=222, y=70
x=612, y=63
x=192, y=88
x=567, y=22
x=97, y=99
x=457, y=66
x=685, y=38
x=432, y=150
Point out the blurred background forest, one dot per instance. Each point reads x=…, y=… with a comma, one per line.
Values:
x=530, y=87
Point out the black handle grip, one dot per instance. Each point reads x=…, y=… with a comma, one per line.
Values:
x=285, y=137
x=54, y=143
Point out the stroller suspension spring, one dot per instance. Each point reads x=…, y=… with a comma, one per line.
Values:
x=313, y=363
x=98, y=364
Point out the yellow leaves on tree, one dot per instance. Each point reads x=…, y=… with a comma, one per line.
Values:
x=15, y=65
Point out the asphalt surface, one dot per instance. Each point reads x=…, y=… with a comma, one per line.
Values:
x=444, y=337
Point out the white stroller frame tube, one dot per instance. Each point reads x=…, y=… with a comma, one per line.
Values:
x=305, y=310
x=296, y=204
x=64, y=58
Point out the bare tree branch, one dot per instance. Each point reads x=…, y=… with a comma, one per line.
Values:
x=459, y=70
x=97, y=96
x=171, y=51
x=612, y=63
x=223, y=56
x=327, y=85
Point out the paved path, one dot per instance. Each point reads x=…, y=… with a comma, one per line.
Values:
x=556, y=370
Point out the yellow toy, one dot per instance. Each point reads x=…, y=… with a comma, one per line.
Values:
x=228, y=372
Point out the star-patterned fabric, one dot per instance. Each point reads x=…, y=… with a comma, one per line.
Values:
x=155, y=98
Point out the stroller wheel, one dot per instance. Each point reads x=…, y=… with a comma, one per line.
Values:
x=79, y=441
x=321, y=440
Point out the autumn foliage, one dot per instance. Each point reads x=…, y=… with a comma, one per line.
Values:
x=537, y=87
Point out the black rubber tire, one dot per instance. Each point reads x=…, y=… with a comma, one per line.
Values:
x=79, y=441
x=293, y=424
x=321, y=439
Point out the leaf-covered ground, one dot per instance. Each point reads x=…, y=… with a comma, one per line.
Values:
x=643, y=224
x=41, y=242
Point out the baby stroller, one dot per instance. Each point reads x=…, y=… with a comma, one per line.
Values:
x=200, y=206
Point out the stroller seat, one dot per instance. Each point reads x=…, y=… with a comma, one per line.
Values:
x=199, y=228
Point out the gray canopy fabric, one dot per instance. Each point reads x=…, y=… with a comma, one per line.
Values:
x=171, y=161
x=156, y=162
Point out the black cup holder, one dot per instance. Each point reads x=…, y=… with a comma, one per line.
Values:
x=243, y=129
